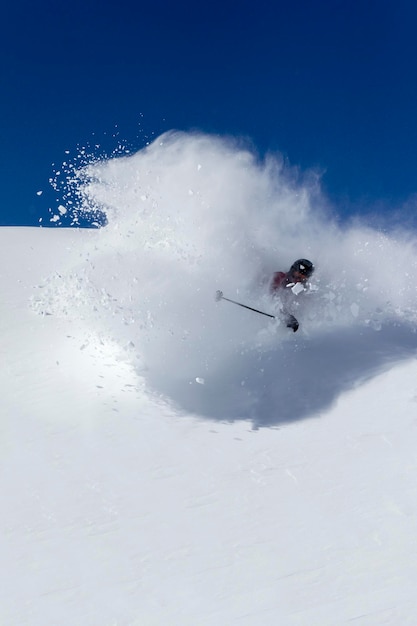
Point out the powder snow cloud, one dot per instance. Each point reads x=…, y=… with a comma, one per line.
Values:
x=191, y=214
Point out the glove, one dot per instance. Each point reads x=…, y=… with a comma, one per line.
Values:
x=291, y=322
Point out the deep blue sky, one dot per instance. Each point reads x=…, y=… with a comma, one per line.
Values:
x=330, y=84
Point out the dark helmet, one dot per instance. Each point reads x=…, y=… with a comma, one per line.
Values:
x=304, y=266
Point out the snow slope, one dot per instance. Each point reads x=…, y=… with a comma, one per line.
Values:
x=167, y=459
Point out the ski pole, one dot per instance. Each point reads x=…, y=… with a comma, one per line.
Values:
x=220, y=296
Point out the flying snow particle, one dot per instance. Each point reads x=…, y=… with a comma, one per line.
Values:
x=298, y=288
x=354, y=309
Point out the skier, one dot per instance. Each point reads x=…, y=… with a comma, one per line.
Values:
x=286, y=284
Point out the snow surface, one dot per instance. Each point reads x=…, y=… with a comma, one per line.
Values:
x=170, y=459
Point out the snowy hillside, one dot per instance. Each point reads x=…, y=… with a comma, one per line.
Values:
x=170, y=459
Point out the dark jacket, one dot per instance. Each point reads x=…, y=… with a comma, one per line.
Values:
x=279, y=280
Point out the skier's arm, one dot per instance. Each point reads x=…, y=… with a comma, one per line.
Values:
x=277, y=285
x=288, y=319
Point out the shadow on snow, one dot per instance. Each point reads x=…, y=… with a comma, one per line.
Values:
x=295, y=381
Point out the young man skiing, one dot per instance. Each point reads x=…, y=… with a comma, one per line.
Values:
x=286, y=285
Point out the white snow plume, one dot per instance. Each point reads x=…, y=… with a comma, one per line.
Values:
x=191, y=214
